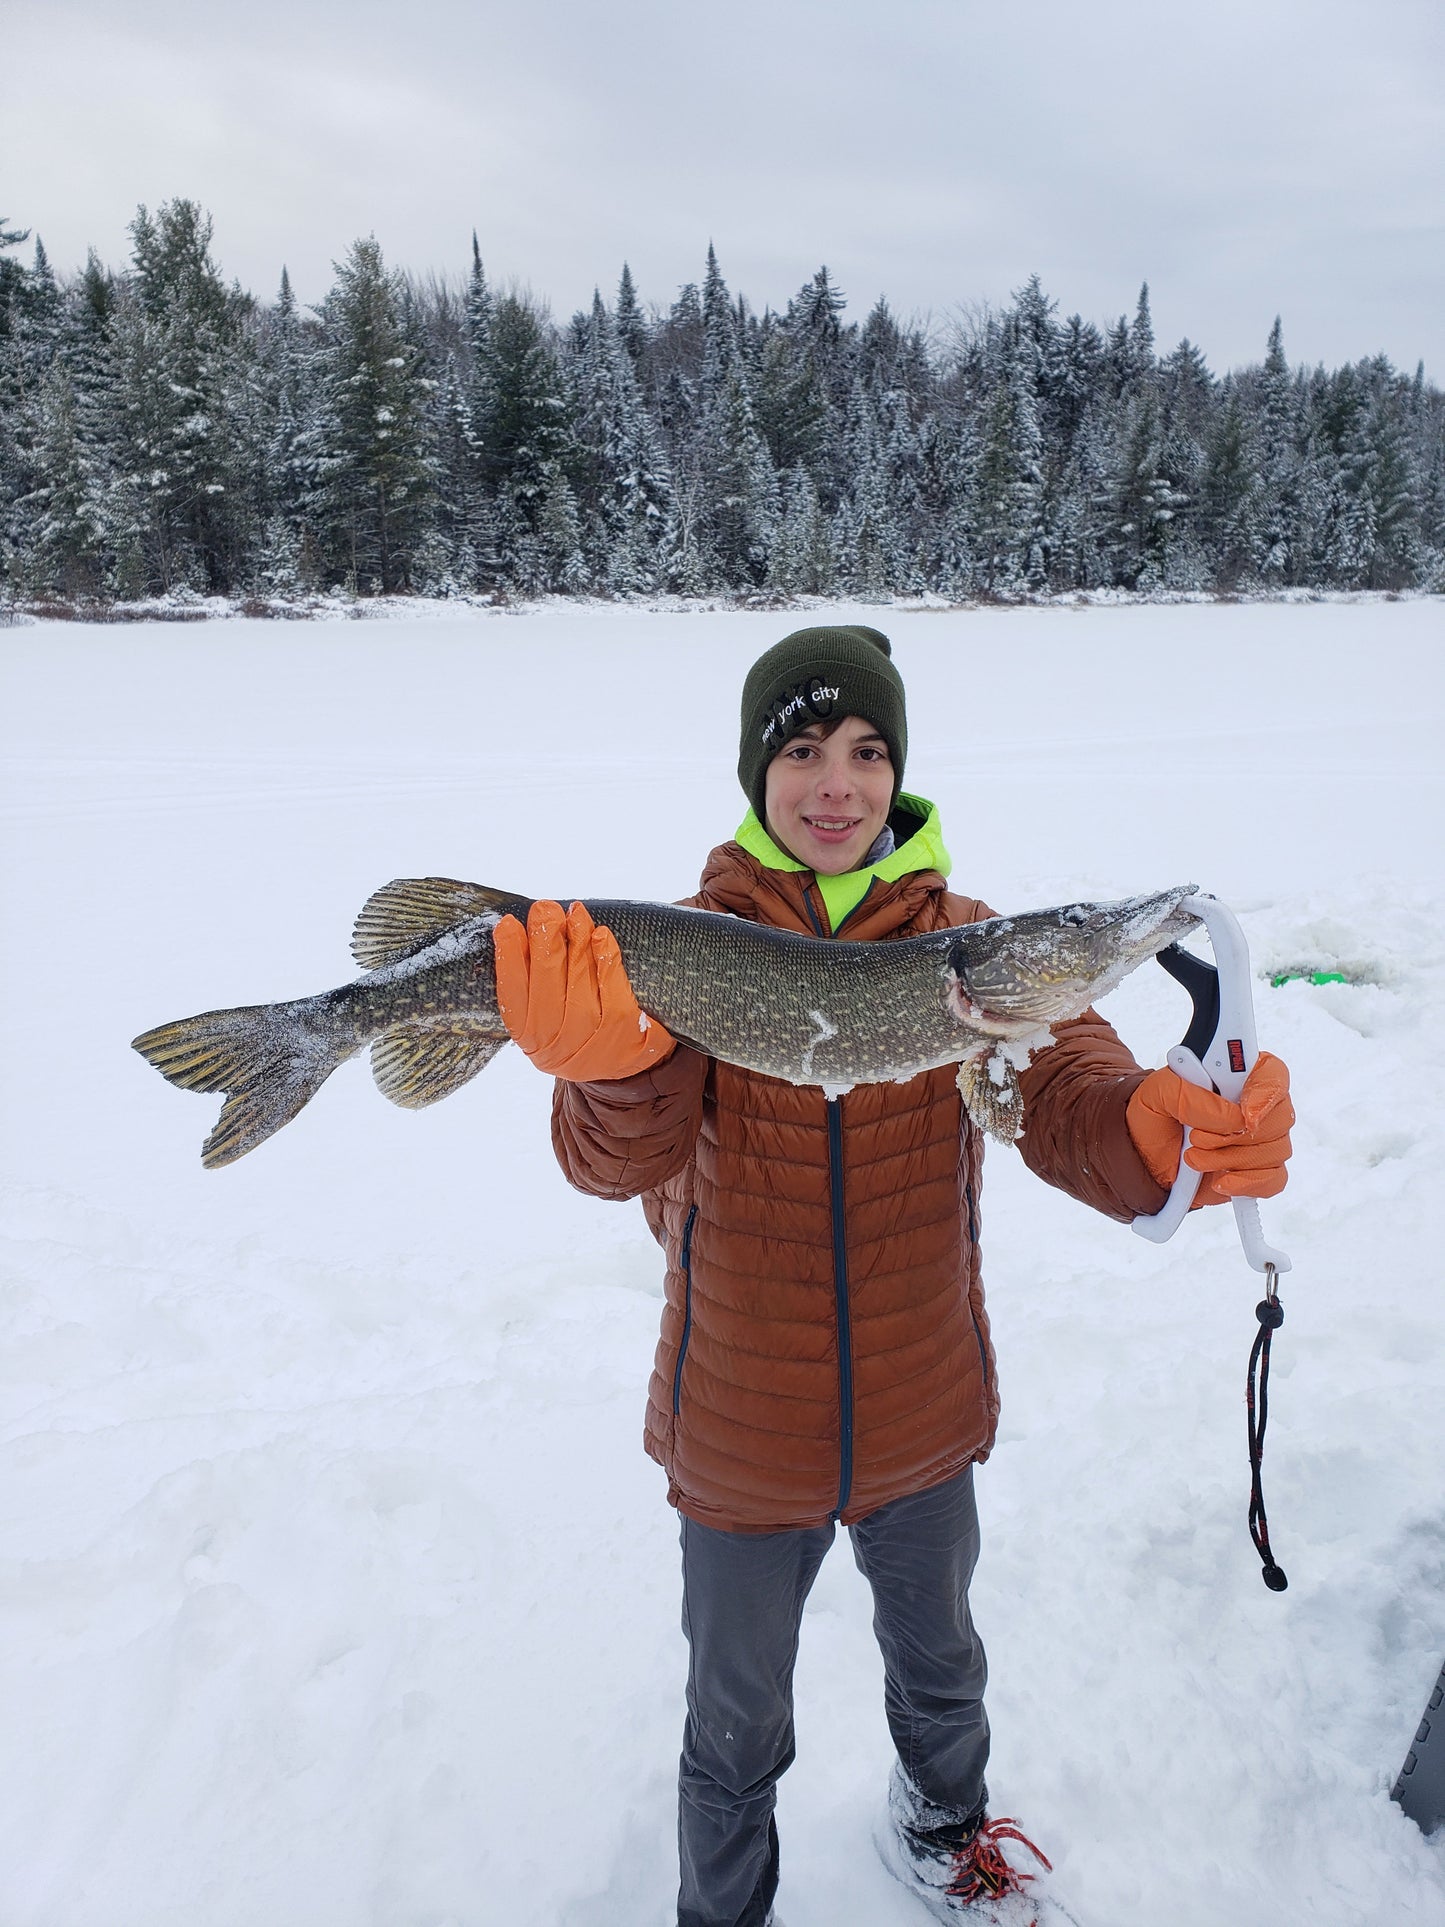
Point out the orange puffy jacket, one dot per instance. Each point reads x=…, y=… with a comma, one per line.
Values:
x=824, y=1343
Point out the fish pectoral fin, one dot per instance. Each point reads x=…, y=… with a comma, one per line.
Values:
x=989, y=1085
x=419, y=1064
x=403, y=916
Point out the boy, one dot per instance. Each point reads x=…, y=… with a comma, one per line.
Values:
x=825, y=1353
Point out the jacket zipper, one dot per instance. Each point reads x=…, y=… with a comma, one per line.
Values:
x=840, y=1293
x=973, y=1247
x=840, y=1273
x=687, y=1310
x=848, y=918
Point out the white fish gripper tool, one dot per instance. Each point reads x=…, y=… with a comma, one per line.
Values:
x=1217, y=1053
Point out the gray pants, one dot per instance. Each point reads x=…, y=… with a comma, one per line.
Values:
x=742, y=1605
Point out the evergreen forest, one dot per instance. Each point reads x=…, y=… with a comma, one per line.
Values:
x=163, y=432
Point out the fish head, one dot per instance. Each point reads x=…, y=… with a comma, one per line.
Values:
x=1011, y=975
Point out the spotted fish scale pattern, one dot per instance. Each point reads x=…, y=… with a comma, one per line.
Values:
x=807, y=1010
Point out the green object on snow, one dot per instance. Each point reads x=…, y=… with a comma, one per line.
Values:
x=1309, y=977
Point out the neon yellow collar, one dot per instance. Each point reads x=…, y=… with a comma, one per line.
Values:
x=923, y=851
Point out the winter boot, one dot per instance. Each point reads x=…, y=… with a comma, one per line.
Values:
x=961, y=1873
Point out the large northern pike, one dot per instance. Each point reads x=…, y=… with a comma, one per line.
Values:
x=806, y=1009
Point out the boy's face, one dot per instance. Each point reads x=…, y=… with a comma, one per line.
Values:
x=828, y=796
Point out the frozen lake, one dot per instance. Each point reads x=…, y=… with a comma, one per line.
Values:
x=335, y=1590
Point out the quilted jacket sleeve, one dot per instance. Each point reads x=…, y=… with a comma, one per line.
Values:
x=617, y=1139
x=1075, y=1136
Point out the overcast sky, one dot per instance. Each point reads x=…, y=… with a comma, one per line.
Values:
x=1245, y=157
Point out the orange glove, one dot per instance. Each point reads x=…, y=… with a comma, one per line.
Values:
x=565, y=997
x=1241, y=1148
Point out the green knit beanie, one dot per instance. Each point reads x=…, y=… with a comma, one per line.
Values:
x=813, y=676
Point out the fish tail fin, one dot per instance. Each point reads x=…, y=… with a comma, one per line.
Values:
x=265, y=1060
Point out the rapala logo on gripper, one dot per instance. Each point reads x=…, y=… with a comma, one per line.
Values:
x=1236, y=1054
x=818, y=698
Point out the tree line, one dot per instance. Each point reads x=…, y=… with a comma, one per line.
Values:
x=161, y=430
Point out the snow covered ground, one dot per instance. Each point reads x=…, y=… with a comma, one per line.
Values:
x=335, y=1590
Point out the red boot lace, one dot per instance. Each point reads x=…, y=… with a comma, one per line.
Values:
x=980, y=1870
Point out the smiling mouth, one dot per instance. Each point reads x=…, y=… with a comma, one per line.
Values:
x=832, y=825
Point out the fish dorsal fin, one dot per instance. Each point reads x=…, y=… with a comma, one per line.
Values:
x=989, y=1085
x=402, y=917
x=419, y=1064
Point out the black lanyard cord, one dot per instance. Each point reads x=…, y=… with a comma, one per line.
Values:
x=1270, y=1313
